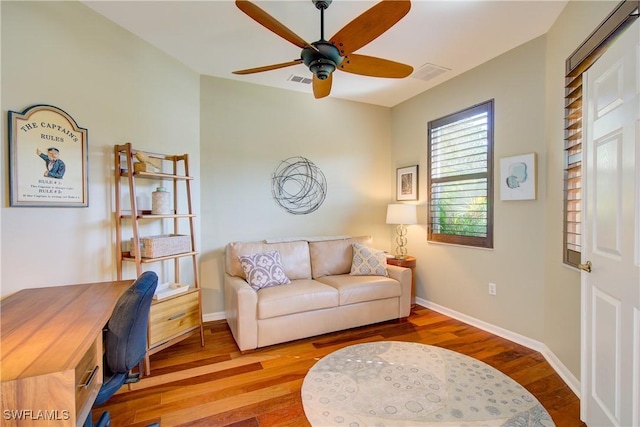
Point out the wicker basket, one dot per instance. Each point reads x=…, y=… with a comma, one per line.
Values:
x=143, y=167
x=162, y=245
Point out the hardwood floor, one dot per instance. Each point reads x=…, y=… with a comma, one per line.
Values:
x=216, y=385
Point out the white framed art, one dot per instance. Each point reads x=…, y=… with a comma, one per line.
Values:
x=407, y=183
x=518, y=177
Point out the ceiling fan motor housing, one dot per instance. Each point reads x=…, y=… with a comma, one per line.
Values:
x=322, y=4
x=323, y=60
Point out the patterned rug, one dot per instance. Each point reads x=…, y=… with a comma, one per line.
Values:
x=404, y=384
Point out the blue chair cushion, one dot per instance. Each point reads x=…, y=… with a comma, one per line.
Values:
x=109, y=387
x=126, y=336
x=125, y=339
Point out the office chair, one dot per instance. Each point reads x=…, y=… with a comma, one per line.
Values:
x=125, y=340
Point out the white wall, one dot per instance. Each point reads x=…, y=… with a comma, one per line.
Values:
x=247, y=130
x=119, y=88
x=457, y=277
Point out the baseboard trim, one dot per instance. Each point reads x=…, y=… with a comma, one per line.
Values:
x=212, y=317
x=538, y=346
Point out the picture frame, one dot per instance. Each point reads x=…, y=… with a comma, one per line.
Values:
x=518, y=177
x=407, y=183
x=47, y=159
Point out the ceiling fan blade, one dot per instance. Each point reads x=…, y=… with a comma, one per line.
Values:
x=374, y=67
x=369, y=25
x=269, y=67
x=270, y=23
x=322, y=88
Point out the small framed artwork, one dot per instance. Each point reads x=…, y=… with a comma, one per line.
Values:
x=48, y=159
x=518, y=177
x=407, y=183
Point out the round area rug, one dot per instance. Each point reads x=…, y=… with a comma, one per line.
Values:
x=393, y=384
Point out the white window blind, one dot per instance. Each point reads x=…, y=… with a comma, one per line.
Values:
x=460, y=177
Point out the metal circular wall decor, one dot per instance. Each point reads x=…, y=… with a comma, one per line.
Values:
x=298, y=185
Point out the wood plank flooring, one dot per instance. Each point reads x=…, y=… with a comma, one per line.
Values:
x=216, y=385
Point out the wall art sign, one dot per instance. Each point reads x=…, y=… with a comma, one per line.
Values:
x=298, y=186
x=407, y=183
x=518, y=177
x=48, y=158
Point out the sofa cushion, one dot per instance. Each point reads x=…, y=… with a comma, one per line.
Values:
x=263, y=270
x=332, y=257
x=354, y=289
x=300, y=296
x=368, y=261
x=293, y=255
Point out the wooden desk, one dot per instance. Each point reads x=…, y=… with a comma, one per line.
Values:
x=51, y=352
x=408, y=262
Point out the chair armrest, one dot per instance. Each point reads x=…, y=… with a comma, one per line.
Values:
x=241, y=311
x=402, y=275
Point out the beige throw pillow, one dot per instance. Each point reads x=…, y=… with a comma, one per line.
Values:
x=332, y=257
x=368, y=261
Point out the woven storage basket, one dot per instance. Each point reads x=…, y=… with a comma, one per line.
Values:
x=143, y=167
x=163, y=245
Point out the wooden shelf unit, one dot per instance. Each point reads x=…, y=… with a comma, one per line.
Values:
x=177, y=317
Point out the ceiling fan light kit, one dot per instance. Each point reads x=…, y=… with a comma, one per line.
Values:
x=324, y=57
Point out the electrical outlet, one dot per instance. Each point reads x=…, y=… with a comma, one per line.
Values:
x=492, y=289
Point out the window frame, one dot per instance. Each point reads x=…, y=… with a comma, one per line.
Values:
x=470, y=241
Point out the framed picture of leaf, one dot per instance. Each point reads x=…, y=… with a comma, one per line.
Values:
x=407, y=183
x=518, y=177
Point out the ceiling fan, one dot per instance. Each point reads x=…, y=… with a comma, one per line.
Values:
x=324, y=57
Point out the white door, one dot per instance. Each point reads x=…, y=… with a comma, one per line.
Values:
x=611, y=291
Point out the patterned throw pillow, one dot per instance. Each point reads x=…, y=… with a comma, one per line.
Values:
x=368, y=261
x=263, y=270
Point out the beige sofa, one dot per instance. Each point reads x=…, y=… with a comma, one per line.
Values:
x=322, y=296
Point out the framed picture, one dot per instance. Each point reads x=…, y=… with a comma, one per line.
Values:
x=518, y=177
x=48, y=158
x=407, y=183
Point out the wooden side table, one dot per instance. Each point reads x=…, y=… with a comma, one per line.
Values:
x=408, y=262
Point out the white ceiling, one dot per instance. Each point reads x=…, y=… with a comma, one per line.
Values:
x=215, y=38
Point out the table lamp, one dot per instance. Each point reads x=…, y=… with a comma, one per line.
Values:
x=401, y=214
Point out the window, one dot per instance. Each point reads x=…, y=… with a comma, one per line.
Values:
x=460, y=177
x=580, y=60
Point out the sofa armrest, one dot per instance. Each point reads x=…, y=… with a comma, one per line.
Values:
x=241, y=311
x=402, y=275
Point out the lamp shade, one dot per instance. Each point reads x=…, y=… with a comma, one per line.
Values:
x=400, y=213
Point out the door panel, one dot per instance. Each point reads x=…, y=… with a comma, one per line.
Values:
x=605, y=369
x=636, y=365
x=607, y=199
x=611, y=291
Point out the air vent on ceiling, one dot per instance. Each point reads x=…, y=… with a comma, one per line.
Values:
x=429, y=71
x=300, y=79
